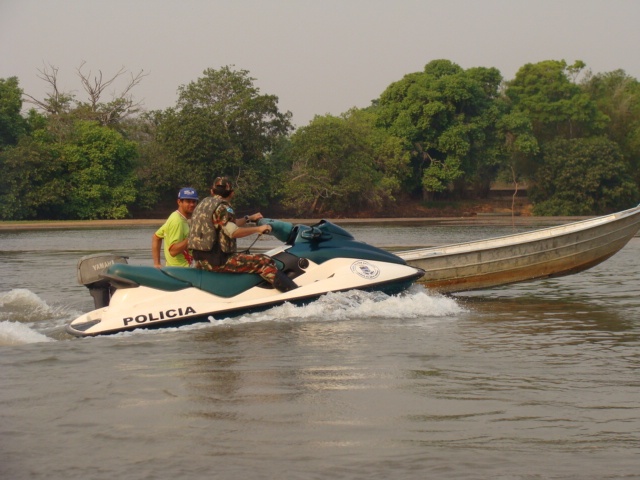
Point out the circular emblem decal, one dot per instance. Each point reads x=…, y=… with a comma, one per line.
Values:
x=365, y=269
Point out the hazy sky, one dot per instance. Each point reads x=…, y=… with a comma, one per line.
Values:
x=317, y=57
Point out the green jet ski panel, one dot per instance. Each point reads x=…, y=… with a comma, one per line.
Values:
x=325, y=241
x=172, y=279
x=221, y=284
x=125, y=275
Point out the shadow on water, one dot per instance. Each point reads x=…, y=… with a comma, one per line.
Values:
x=544, y=314
x=549, y=331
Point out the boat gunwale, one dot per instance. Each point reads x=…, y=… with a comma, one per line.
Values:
x=526, y=237
x=532, y=264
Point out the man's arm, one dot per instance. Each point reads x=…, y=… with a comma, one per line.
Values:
x=240, y=232
x=242, y=221
x=156, y=247
x=236, y=228
x=178, y=247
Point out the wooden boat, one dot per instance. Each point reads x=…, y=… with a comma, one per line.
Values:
x=545, y=253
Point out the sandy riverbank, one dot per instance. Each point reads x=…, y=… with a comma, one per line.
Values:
x=476, y=220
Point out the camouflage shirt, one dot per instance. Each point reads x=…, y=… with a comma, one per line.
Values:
x=207, y=222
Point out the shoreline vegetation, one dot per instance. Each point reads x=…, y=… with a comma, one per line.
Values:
x=495, y=211
x=510, y=142
x=476, y=220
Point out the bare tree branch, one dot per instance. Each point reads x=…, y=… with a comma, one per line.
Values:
x=56, y=102
x=119, y=107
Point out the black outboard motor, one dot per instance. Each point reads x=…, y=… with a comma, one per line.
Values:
x=90, y=270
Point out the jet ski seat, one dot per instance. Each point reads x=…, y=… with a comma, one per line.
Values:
x=122, y=275
x=219, y=283
x=172, y=279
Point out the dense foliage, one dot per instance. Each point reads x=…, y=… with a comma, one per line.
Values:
x=343, y=164
x=12, y=125
x=582, y=176
x=222, y=125
x=88, y=176
x=448, y=117
x=444, y=133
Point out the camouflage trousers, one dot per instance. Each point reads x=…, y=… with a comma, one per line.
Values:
x=244, y=263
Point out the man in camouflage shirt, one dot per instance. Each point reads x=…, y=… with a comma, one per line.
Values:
x=213, y=234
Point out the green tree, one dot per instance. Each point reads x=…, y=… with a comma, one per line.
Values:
x=583, y=176
x=222, y=125
x=33, y=185
x=618, y=96
x=158, y=175
x=557, y=107
x=88, y=176
x=100, y=168
x=390, y=156
x=448, y=117
x=520, y=146
x=331, y=168
x=12, y=124
x=343, y=164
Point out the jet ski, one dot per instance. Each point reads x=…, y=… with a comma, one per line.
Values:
x=315, y=259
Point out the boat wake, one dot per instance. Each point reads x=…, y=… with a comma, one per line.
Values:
x=416, y=302
x=14, y=333
x=26, y=318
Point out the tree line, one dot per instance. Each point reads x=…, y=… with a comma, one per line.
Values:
x=442, y=133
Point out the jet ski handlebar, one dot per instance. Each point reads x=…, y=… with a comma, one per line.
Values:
x=288, y=233
x=279, y=229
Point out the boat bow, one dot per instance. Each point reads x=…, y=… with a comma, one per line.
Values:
x=550, y=252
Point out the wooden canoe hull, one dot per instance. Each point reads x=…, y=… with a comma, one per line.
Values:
x=545, y=253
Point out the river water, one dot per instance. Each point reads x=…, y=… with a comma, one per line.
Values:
x=533, y=381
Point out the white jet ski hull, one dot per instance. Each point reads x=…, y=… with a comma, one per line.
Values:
x=145, y=307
